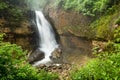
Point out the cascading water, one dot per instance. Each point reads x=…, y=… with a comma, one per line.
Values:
x=47, y=38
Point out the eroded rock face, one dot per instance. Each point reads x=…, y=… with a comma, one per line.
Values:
x=74, y=31
x=21, y=34
x=69, y=21
x=56, y=56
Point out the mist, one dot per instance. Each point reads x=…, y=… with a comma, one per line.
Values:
x=36, y=4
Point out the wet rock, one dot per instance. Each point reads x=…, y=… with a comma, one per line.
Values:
x=41, y=66
x=35, y=56
x=62, y=70
x=56, y=56
x=57, y=53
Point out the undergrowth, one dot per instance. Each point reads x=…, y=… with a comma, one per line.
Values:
x=13, y=65
x=105, y=25
x=106, y=66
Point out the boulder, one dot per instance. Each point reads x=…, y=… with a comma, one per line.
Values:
x=57, y=56
x=35, y=56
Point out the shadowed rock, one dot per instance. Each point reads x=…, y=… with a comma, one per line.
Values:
x=35, y=56
x=56, y=55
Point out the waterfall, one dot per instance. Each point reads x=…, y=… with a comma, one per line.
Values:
x=47, y=37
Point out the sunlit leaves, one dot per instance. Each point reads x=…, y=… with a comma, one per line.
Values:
x=87, y=7
x=105, y=67
x=13, y=65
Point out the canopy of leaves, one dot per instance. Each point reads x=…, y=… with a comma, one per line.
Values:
x=87, y=7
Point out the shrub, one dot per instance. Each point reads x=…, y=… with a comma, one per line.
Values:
x=105, y=67
x=3, y=5
x=117, y=35
x=117, y=21
x=105, y=25
x=13, y=65
x=12, y=11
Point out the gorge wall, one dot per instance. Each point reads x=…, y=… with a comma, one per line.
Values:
x=22, y=34
x=73, y=30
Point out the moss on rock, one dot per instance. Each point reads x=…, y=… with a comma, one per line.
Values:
x=104, y=26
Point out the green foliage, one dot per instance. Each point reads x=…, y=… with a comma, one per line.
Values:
x=16, y=14
x=118, y=21
x=1, y=37
x=3, y=5
x=12, y=10
x=117, y=35
x=14, y=67
x=87, y=7
x=104, y=26
x=105, y=67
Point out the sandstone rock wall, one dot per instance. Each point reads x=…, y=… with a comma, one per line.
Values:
x=69, y=21
x=74, y=31
x=22, y=34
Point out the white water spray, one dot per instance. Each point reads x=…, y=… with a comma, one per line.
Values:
x=47, y=38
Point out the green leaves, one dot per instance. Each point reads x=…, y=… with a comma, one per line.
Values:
x=16, y=14
x=3, y=5
x=13, y=11
x=87, y=7
x=13, y=65
x=105, y=67
x=1, y=37
x=117, y=35
x=99, y=70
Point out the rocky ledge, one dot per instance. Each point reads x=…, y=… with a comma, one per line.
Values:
x=63, y=70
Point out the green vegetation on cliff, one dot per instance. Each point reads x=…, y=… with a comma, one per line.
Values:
x=103, y=16
x=105, y=25
x=12, y=11
x=88, y=7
